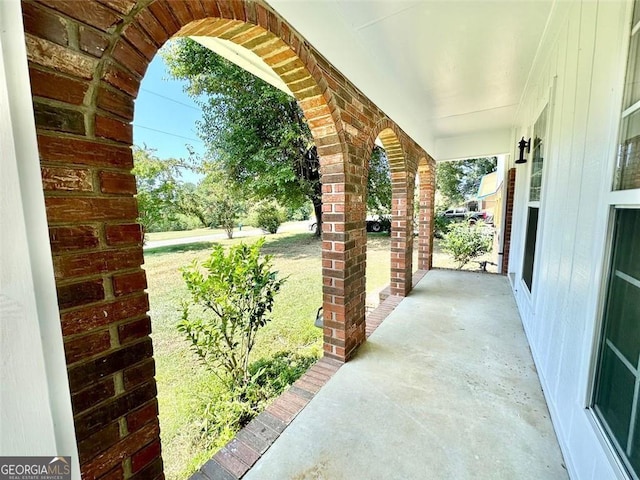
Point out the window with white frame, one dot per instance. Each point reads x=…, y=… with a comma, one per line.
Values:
x=628, y=167
x=535, y=191
x=616, y=400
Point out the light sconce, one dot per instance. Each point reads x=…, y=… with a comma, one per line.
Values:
x=522, y=145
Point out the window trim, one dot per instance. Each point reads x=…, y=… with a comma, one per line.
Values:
x=614, y=452
x=613, y=200
x=548, y=103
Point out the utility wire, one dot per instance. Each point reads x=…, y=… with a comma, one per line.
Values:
x=170, y=99
x=168, y=133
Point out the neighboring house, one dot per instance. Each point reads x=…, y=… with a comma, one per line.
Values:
x=489, y=194
x=571, y=212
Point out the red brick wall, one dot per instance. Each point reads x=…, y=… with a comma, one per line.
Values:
x=508, y=219
x=426, y=195
x=86, y=61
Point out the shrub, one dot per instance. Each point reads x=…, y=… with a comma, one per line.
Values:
x=268, y=216
x=235, y=295
x=465, y=242
x=440, y=225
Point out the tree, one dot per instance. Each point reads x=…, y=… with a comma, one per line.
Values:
x=257, y=133
x=379, y=183
x=158, y=188
x=459, y=180
x=191, y=202
x=219, y=201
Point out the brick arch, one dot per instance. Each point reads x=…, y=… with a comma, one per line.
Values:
x=426, y=196
x=86, y=62
x=402, y=179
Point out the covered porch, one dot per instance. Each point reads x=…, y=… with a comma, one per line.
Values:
x=445, y=388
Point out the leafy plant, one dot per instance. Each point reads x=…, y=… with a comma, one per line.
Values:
x=465, y=242
x=235, y=293
x=440, y=224
x=268, y=216
x=270, y=376
x=379, y=183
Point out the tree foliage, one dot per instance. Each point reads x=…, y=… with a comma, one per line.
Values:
x=165, y=202
x=221, y=203
x=158, y=186
x=235, y=295
x=257, y=133
x=379, y=183
x=458, y=181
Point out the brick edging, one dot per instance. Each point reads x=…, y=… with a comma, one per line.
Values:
x=237, y=457
x=415, y=278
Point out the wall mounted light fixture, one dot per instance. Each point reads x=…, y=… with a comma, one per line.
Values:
x=522, y=145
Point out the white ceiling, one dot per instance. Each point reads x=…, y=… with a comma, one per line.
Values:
x=450, y=73
x=244, y=58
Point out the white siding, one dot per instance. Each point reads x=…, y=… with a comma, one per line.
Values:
x=580, y=68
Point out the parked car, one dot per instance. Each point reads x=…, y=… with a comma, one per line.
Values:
x=465, y=214
x=459, y=213
x=373, y=224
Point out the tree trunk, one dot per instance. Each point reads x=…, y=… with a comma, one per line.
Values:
x=317, y=208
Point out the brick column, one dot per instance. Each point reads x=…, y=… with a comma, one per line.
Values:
x=401, y=234
x=426, y=176
x=401, y=214
x=508, y=220
x=343, y=257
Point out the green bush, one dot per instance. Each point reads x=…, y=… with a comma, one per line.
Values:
x=268, y=216
x=465, y=242
x=441, y=225
x=235, y=296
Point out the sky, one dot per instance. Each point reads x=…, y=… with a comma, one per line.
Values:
x=165, y=116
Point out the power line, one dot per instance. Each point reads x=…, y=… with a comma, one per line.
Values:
x=168, y=133
x=170, y=99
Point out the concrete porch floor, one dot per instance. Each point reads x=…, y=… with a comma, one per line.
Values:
x=445, y=388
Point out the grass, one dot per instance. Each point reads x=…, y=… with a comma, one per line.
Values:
x=184, y=385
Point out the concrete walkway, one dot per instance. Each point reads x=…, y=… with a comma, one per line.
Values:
x=445, y=388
